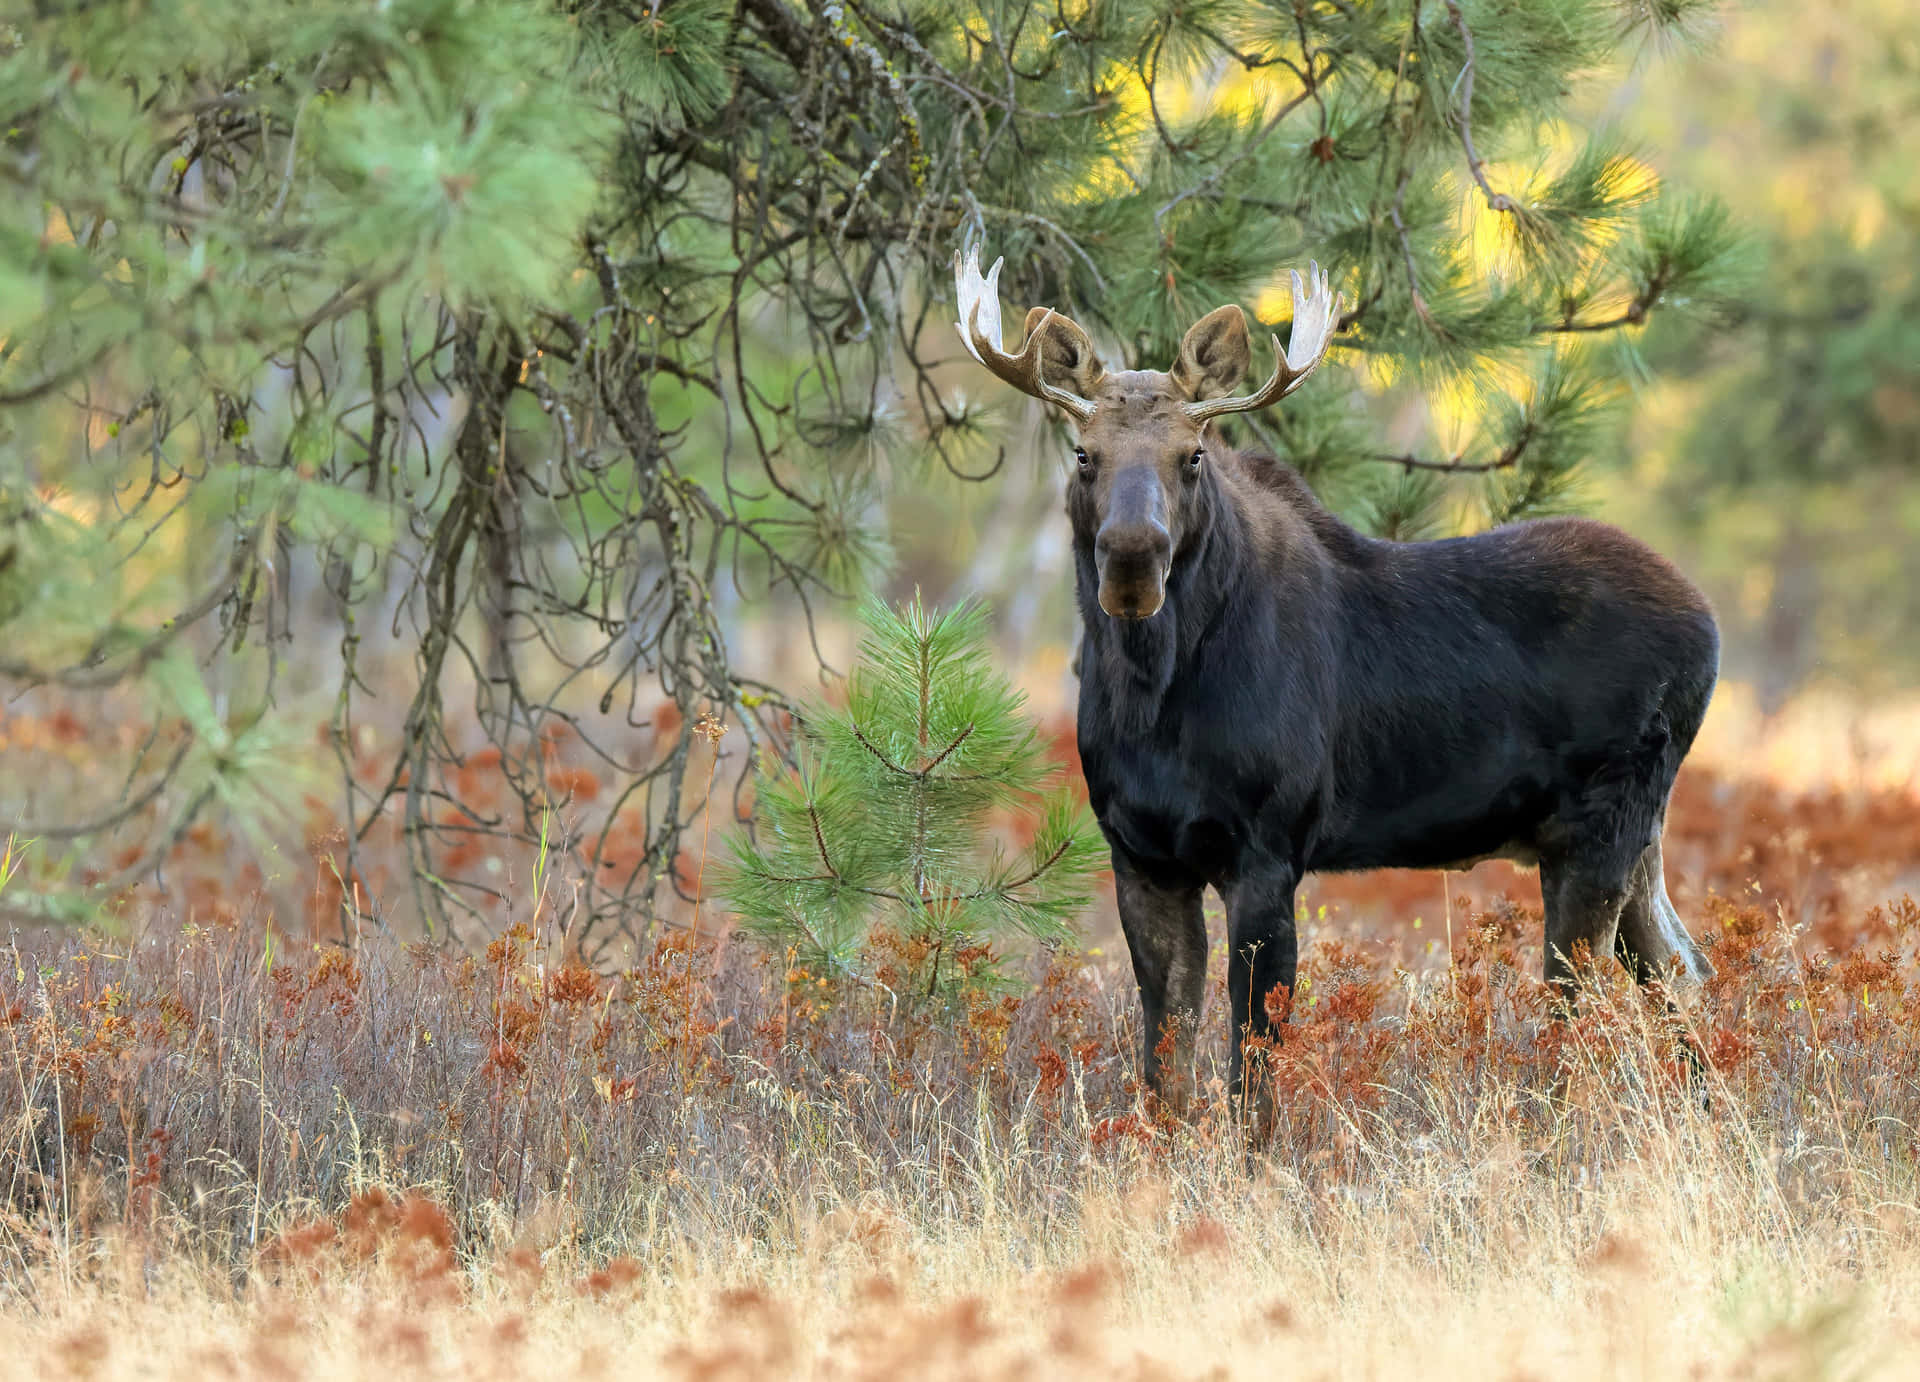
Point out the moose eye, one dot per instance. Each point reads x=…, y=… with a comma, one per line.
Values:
x=1193, y=461
x=1085, y=463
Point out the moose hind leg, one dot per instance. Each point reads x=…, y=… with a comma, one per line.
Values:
x=1653, y=943
x=1167, y=937
x=1654, y=946
x=1590, y=866
x=1584, y=892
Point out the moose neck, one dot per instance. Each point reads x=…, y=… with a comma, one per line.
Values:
x=1136, y=660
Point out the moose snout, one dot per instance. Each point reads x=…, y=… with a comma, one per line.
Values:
x=1132, y=562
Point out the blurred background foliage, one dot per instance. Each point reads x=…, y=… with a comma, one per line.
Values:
x=505, y=385
x=1781, y=454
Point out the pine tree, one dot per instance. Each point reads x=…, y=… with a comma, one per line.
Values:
x=874, y=855
x=535, y=341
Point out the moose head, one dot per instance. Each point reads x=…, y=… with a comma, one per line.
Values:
x=1142, y=435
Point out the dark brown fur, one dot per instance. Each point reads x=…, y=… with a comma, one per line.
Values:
x=1265, y=691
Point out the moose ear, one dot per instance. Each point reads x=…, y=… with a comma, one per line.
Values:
x=1214, y=356
x=1067, y=360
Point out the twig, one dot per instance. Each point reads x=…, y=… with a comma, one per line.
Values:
x=1498, y=201
x=1456, y=465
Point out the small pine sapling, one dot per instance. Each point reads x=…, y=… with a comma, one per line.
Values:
x=880, y=851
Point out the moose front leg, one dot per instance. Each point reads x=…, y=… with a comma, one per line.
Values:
x=1263, y=956
x=1167, y=936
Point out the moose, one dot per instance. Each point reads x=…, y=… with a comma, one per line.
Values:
x=1265, y=691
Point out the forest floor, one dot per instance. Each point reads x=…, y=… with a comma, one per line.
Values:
x=231, y=1150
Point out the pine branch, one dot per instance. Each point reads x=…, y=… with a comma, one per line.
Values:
x=880, y=756
x=948, y=751
x=1635, y=314
x=920, y=774
x=1497, y=201
x=1014, y=885
x=820, y=841
x=1457, y=464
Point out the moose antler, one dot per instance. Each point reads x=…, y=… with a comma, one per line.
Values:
x=979, y=328
x=1314, y=314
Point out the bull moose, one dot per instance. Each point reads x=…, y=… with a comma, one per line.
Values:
x=1265, y=691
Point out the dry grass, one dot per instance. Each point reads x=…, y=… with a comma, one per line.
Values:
x=222, y=1154
x=1142, y=1285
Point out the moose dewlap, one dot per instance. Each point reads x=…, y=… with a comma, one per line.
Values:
x=1265, y=691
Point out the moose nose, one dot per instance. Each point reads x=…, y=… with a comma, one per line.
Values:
x=1134, y=544
x=1132, y=560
